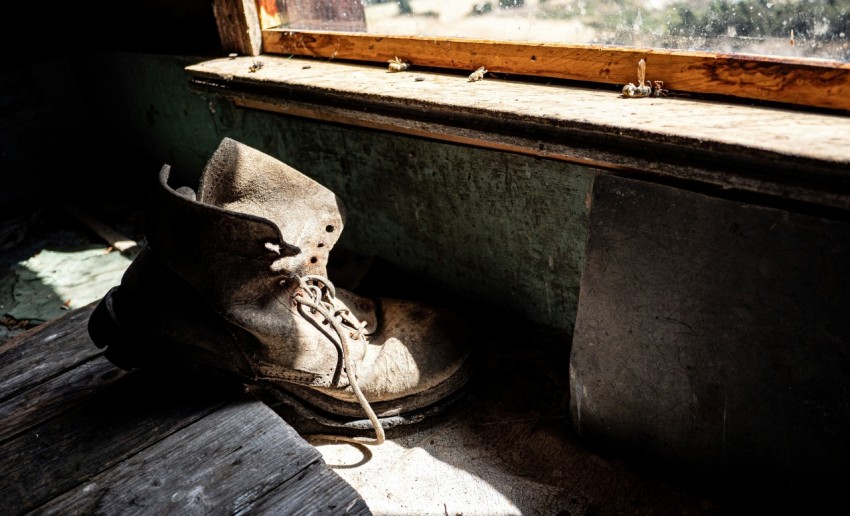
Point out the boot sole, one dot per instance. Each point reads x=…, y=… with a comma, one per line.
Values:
x=308, y=419
x=323, y=410
x=350, y=409
x=310, y=410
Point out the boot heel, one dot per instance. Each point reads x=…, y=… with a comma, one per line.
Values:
x=107, y=334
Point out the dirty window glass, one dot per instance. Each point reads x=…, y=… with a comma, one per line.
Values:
x=789, y=28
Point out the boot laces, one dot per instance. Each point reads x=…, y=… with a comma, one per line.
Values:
x=318, y=294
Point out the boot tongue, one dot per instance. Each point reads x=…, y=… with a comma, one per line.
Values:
x=310, y=216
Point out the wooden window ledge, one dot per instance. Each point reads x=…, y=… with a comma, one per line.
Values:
x=768, y=150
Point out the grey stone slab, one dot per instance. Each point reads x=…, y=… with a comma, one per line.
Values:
x=712, y=336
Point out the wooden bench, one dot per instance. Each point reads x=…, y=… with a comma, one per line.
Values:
x=79, y=435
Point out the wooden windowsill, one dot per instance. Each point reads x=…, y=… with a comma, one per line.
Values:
x=803, y=82
x=773, y=151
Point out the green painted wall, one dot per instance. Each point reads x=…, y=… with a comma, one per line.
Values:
x=495, y=227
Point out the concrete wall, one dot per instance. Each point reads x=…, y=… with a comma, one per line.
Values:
x=492, y=227
x=712, y=337
x=43, y=133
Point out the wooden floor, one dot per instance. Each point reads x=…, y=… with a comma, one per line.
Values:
x=78, y=435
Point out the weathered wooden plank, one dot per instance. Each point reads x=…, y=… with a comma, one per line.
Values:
x=221, y=463
x=814, y=83
x=298, y=497
x=238, y=26
x=342, y=115
x=104, y=428
x=731, y=146
x=111, y=236
x=45, y=351
x=55, y=396
x=820, y=136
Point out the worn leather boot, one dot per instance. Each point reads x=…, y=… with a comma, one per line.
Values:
x=233, y=282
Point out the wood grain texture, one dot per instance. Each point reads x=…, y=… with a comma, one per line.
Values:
x=203, y=468
x=680, y=120
x=238, y=26
x=90, y=438
x=803, y=156
x=296, y=497
x=45, y=351
x=814, y=83
x=99, y=431
x=53, y=397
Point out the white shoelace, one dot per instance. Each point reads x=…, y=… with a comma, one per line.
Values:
x=321, y=298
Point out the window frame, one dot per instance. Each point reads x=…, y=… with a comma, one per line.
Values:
x=251, y=27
